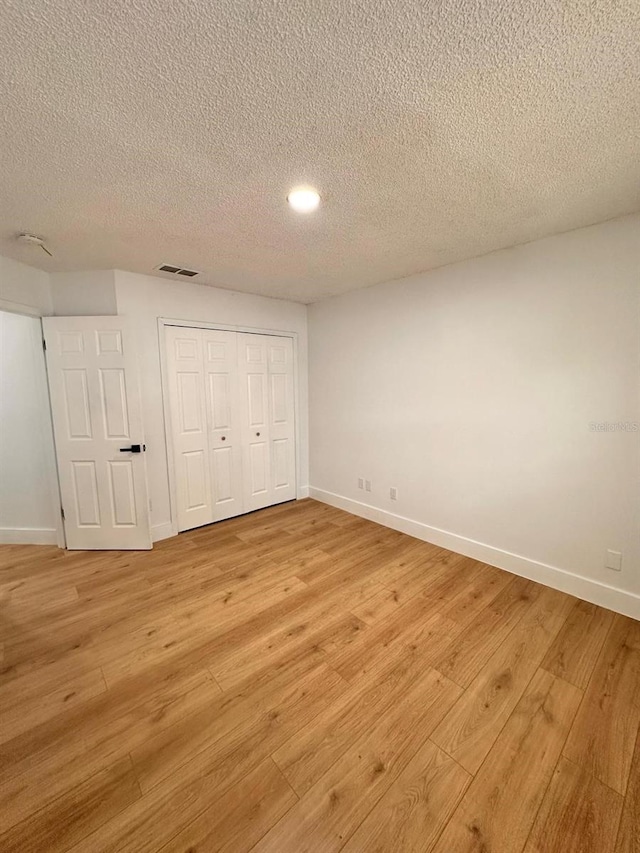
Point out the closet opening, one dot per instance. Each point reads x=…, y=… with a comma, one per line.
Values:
x=230, y=417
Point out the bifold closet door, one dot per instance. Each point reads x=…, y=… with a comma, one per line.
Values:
x=265, y=365
x=231, y=398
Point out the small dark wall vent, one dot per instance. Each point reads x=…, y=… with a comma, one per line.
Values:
x=177, y=270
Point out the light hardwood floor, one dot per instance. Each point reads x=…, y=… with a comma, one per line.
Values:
x=303, y=680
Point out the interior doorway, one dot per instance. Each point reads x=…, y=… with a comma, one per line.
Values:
x=29, y=497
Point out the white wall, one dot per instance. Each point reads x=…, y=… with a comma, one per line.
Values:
x=471, y=389
x=24, y=288
x=27, y=467
x=76, y=294
x=146, y=298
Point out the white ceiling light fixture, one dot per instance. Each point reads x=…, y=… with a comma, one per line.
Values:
x=304, y=199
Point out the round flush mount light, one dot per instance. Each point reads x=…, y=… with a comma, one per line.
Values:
x=304, y=199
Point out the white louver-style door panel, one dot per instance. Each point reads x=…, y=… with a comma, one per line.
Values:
x=97, y=419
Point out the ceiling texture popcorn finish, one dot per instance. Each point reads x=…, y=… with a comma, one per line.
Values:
x=138, y=131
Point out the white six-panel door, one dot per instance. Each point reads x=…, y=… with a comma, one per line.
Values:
x=232, y=420
x=97, y=419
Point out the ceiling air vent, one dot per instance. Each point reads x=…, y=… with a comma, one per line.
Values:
x=177, y=270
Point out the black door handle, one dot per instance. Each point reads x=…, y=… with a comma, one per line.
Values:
x=135, y=448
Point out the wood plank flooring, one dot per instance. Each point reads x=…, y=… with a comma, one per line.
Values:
x=303, y=680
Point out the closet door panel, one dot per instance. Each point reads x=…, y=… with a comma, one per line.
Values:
x=259, y=463
x=189, y=426
x=282, y=422
x=223, y=415
x=224, y=475
x=254, y=408
x=257, y=399
x=195, y=486
x=281, y=466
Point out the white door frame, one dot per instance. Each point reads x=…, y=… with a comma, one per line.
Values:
x=225, y=327
x=43, y=382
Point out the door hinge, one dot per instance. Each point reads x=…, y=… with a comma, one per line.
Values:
x=62, y=512
x=44, y=344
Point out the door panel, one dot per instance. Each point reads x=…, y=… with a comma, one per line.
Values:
x=223, y=474
x=282, y=423
x=266, y=362
x=259, y=483
x=219, y=395
x=76, y=403
x=85, y=493
x=279, y=398
x=190, y=409
x=122, y=493
x=196, y=491
x=281, y=472
x=112, y=386
x=223, y=395
x=109, y=341
x=256, y=397
x=252, y=365
x=189, y=426
x=96, y=410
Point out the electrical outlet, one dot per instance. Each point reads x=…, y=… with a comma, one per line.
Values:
x=393, y=493
x=614, y=561
x=360, y=483
x=367, y=485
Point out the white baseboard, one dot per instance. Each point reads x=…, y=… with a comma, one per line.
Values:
x=593, y=591
x=28, y=536
x=162, y=531
x=303, y=492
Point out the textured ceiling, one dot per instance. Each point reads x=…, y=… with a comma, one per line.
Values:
x=135, y=132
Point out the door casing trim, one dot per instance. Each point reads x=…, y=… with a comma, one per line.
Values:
x=163, y=322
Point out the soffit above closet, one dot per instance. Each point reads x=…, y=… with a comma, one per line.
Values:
x=139, y=133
